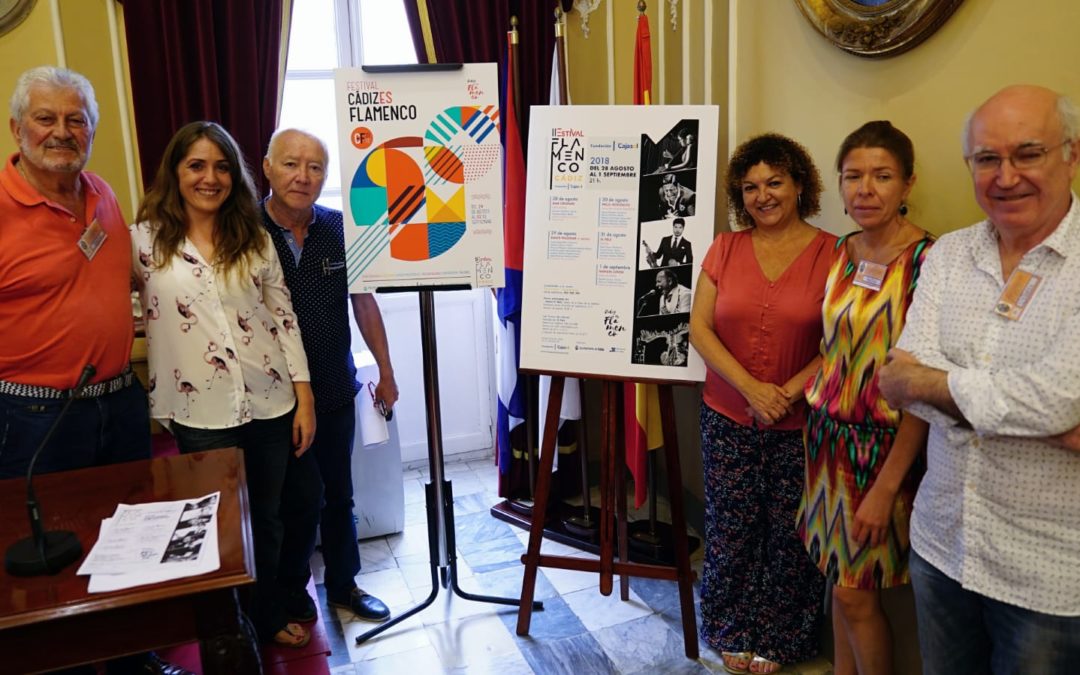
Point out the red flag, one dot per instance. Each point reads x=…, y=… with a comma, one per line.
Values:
x=643, y=62
x=641, y=407
x=514, y=191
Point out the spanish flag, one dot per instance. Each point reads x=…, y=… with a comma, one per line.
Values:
x=641, y=402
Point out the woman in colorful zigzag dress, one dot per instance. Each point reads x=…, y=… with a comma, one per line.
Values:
x=860, y=483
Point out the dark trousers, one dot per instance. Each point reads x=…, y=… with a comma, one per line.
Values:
x=96, y=431
x=267, y=446
x=321, y=493
x=760, y=592
x=961, y=631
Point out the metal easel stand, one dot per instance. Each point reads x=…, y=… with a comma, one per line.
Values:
x=438, y=491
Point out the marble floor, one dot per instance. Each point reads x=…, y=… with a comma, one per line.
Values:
x=579, y=631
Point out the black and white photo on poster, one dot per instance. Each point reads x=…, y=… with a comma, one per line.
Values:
x=662, y=341
x=664, y=291
x=668, y=196
x=665, y=243
x=676, y=151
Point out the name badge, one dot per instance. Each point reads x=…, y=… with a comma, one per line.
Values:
x=1018, y=293
x=92, y=239
x=870, y=275
x=329, y=268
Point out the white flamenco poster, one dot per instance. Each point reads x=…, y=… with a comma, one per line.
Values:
x=619, y=212
x=421, y=167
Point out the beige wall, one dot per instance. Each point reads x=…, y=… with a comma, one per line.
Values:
x=791, y=80
x=80, y=35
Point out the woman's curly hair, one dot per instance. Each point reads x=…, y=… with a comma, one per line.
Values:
x=781, y=153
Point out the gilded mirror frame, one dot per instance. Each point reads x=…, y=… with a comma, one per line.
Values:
x=12, y=12
x=874, y=28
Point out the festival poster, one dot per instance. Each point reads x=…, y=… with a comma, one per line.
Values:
x=421, y=167
x=619, y=213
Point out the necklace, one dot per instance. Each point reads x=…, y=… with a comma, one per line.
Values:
x=22, y=171
x=886, y=252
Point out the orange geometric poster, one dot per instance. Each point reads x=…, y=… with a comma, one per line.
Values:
x=422, y=177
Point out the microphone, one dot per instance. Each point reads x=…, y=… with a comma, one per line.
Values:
x=45, y=552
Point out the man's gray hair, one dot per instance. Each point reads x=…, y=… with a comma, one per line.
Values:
x=53, y=76
x=274, y=138
x=1067, y=114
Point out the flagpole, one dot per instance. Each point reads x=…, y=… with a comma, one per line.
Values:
x=528, y=382
x=560, y=50
x=514, y=62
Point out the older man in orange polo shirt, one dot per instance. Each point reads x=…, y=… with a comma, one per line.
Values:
x=65, y=300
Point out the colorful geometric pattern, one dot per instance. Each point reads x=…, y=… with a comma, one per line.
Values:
x=850, y=428
x=408, y=194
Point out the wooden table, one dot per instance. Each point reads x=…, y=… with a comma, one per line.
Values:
x=49, y=622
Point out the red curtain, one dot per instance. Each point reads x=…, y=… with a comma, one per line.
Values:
x=203, y=60
x=474, y=31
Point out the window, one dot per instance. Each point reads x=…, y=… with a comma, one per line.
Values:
x=328, y=34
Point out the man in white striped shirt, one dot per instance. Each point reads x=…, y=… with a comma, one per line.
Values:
x=990, y=357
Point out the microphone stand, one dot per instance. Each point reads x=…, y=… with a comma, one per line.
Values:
x=45, y=552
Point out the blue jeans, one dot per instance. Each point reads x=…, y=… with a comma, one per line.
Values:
x=321, y=492
x=267, y=446
x=96, y=431
x=961, y=631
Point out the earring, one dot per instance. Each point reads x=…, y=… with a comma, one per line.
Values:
x=798, y=199
x=903, y=209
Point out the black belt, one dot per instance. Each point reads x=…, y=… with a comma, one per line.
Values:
x=121, y=381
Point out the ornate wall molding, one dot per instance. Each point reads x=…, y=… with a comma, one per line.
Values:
x=877, y=28
x=585, y=8
x=12, y=13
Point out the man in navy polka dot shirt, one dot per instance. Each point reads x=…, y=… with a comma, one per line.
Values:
x=310, y=243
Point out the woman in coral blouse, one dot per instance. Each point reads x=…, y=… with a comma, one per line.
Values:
x=756, y=320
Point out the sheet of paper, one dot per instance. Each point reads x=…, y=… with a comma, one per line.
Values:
x=142, y=537
x=209, y=561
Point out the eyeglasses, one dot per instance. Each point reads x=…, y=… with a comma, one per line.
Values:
x=1024, y=157
x=379, y=404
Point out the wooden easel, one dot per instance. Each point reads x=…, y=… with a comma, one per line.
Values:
x=612, y=511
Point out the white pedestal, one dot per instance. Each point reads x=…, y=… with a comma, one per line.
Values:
x=378, y=494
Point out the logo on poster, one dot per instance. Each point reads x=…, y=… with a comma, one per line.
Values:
x=485, y=270
x=567, y=158
x=361, y=137
x=611, y=323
